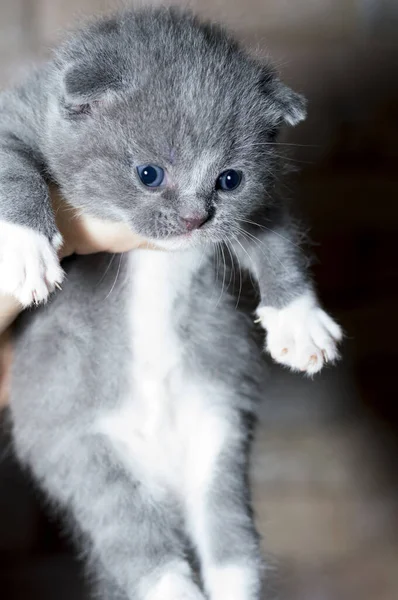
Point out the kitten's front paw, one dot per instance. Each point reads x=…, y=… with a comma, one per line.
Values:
x=301, y=335
x=29, y=265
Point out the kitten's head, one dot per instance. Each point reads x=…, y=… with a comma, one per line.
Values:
x=166, y=123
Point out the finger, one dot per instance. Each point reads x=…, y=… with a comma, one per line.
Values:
x=9, y=310
x=86, y=234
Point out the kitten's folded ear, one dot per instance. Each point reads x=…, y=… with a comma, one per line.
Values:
x=90, y=65
x=283, y=103
x=292, y=106
x=91, y=81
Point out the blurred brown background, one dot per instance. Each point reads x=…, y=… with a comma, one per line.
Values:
x=324, y=469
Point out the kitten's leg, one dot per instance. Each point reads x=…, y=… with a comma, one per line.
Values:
x=219, y=513
x=29, y=239
x=300, y=334
x=133, y=536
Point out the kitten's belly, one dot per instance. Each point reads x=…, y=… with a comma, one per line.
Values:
x=156, y=431
x=168, y=428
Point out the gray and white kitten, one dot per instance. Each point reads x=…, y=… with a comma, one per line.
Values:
x=134, y=390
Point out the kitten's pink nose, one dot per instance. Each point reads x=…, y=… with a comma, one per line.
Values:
x=194, y=221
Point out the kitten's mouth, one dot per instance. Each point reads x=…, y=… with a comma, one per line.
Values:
x=181, y=241
x=176, y=242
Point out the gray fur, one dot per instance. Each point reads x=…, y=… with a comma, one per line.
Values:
x=152, y=86
x=72, y=362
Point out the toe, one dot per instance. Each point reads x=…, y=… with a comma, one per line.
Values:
x=281, y=349
x=312, y=360
x=324, y=341
x=331, y=326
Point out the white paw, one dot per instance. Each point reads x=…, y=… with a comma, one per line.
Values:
x=301, y=335
x=233, y=582
x=175, y=584
x=29, y=265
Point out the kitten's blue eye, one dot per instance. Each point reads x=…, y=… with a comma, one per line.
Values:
x=229, y=180
x=151, y=175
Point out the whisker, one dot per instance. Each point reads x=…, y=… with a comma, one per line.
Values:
x=201, y=258
x=271, y=231
x=232, y=265
x=259, y=243
x=240, y=275
x=236, y=238
x=217, y=259
x=106, y=270
x=216, y=267
x=288, y=144
x=293, y=160
x=224, y=274
x=116, y=278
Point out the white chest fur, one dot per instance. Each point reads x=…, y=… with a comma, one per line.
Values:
x=166, y=428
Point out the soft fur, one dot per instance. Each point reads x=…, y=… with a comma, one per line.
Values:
x=135, y=389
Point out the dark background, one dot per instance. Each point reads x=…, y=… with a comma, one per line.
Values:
x=324, y=470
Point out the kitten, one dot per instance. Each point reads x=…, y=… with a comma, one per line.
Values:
x=135, y=389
